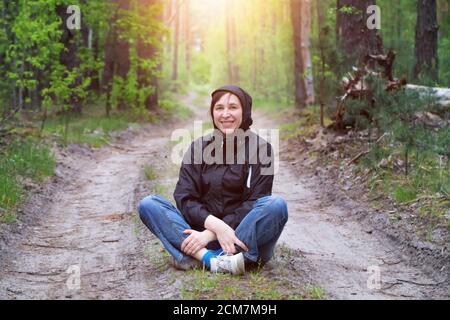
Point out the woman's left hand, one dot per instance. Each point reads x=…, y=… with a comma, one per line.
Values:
x=196, y=241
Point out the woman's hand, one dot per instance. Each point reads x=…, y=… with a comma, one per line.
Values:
x=196, y=241
x=225, y=235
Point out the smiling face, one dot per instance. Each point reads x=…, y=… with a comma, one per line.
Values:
x=227, y=113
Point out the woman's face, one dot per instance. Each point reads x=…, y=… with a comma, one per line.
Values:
x=227, y=113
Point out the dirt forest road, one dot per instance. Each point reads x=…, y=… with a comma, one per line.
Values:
x=81, y=238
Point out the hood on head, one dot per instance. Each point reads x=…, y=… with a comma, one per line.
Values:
x=246, y=101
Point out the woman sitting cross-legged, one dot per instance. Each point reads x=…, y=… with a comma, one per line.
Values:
x=226, y=216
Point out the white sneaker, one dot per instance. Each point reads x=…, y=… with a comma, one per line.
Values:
x=233, y=264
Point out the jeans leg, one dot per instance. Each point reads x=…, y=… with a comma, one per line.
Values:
x=165, y=221
x=262, y=226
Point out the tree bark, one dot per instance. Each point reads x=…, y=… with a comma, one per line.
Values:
x=69, y=56
x=299, y=69
x=147, y=51
x=426, y=40
x=187, y=38
x=305, y=48
x=176, y=39
x=169, y=12
x=321, y=26
x=355, y=39
x=233, y=70
x=117, y=59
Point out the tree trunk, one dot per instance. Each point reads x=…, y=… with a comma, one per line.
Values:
x=299, y=69
x=69, y=57
x=187, y=38
x=255, y=79
x=169, y=12
x=321, y=26
x=426, y=40
x=355, y=39
x=175, y=42
x=233, y=70
x=117, y=60
x=305, y=48
x=146, y=52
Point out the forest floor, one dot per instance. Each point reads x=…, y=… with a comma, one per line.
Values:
x=84, y=221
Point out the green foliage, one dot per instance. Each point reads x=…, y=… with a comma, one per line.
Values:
x=201, y=69
x=413, y=159
x=171, y=107
x=92, y=129
x=22, y=159
x=141, y=29
x=263, y=54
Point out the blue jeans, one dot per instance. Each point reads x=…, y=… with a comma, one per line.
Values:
x=259, y=230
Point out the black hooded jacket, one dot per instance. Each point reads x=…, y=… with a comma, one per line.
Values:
x=225, y=190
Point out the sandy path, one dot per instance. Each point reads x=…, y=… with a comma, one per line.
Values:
x=88, y=230
x=343, y=254
x=90, y=227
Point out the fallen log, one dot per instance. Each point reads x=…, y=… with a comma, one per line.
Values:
x=442, y=94
x=355, y=86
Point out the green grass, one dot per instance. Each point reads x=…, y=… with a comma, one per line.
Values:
x=8, y=217
x=21, y=159
x=304, y=125
x=200, y=284
x=404, y=194
x=10, y=190
x=316, y=293
x=202, y=90
x=171, y=107
x=427, y=183
x=93, y=130
x=150, y=172
x=159, y=258
x=161, y=190
x=270, y=106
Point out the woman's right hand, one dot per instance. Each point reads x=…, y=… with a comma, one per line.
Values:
x=225, y=235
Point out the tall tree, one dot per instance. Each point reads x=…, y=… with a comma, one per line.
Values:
x=187, y=38
x=168, y=10
x=299, y=69
x=176, y=39
x=355, y=39
x=322, y=35
x=117, y=56
x=306, y=49
x=72, y=40
x=147, y=50
x=231, y=43
x=426, y=47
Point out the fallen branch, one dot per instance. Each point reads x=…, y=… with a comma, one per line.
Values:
x=424, y=198
x=363, y=153
x=358, y=156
